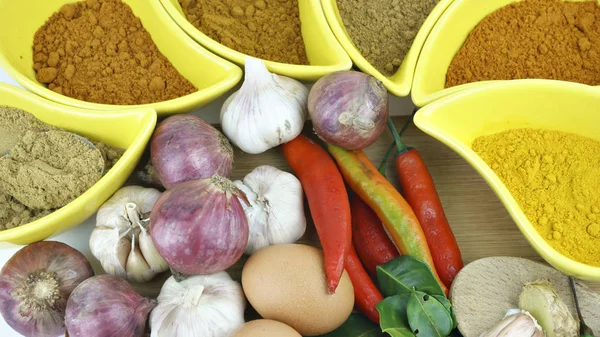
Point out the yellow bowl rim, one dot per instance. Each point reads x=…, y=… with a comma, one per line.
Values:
x=421, y=99
x=398, y=88
x=165, y=108
x=300, y=72
x=559, y=261
x=50, y=220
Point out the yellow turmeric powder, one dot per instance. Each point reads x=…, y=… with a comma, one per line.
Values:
x=555, y=178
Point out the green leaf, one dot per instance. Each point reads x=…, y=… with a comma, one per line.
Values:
x=356, y=325
x=392, y=316
x=405, y=273
x=428, y=317
x=446, y=303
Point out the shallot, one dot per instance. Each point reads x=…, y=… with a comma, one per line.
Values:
x=185, y=147
x=199, y=227
x=107, y=306
x=35, y=285
x=349, y=109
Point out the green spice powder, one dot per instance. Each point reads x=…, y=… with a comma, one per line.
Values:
x=384, y=30
x=43, y=158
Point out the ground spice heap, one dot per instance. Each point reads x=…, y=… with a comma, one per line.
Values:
x=43, y=158
x=547, y=39
x=555, y=178
x=384, y=30
x=267, y=29
x=98, y=51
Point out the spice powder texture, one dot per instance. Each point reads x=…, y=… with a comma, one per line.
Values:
x=266, y=29
x=555, y=178
x=98, y=51
x=384, y=30
x=547, y=39
x=42, y=156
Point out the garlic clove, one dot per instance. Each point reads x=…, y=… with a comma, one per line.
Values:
x=151, y=255
x=110, y=250
x=137, y=268
x=516, y=323
x=499, y=326
x=522, y=326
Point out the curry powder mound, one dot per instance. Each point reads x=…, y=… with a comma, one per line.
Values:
x=266, y=29
x=555, y=179
x=98, y=51
x=546, y=39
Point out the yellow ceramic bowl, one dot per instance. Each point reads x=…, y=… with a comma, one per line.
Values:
x=446, y=38
x=129, y=130
x=458, y=119
x=213, y=76
x=400, y=83
x=325, y=54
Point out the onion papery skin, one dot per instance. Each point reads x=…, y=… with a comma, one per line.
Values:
x=107, y=306
x=349, y=109
x=51, y=270
x=199, y=227
x=185, y=147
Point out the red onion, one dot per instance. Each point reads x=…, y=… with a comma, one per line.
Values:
x=349, y=109
x=184, y=147
x=107, y=306
x=35, y=285
x=199, y=227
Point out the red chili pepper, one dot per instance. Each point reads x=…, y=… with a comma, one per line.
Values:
x=371, y=241
x=421, y=194
x=366, y=294
x=385, y=200
x=327, y=199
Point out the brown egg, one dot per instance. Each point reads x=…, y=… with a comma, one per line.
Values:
x=266, y=328
x=287, y=283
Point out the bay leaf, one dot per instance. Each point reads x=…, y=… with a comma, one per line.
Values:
x=392, y=316
x=357, y=325
x=428, y=317
x=405, y=273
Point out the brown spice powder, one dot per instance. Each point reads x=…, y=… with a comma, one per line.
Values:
x=267, y=29
x=547, y=39
x=98, y=51
x=384, y=30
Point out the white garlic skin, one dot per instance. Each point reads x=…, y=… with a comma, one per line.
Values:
x=120, y=240
x=201, y=305
x=267, y=111
x=276, y=211
x=516, y=323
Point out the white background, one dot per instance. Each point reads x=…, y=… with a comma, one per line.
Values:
x=78, y=237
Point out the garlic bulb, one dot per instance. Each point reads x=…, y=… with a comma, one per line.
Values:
x=516, y=323
x=267, y=111
x=276, y=211
x=202, y=305
x=121, y=241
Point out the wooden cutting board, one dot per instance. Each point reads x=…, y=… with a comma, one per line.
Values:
x=480, y=222
x=486, y=289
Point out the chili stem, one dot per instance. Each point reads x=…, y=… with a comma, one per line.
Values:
x=382, y=166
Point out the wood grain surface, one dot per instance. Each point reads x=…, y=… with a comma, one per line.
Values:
x=480, y=222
